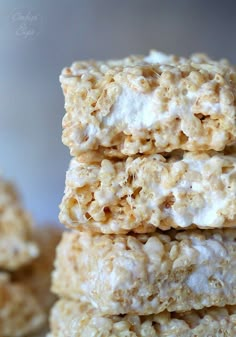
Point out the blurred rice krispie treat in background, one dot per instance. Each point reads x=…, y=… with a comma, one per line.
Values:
x=20, y=312
x=17, y=247
x=37, y=276
x=26, y=261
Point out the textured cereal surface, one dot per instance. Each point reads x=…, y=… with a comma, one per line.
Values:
x=146, y=105
x=16, y=245
x=146, y=274
x=20, y=313
x=71, y=319
x=149, y=192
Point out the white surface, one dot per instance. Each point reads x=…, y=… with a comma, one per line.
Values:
x=142, y=110
x=199, y=278
x=158, y=57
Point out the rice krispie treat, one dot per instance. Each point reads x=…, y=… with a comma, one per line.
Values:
x=71, y=319
x=20, y=313
x=146, y=105
x=37, y=275
x=16, y=245
x=149, y=192
x=146, y=274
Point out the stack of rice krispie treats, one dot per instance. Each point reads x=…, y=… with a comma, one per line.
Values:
x=150, y=197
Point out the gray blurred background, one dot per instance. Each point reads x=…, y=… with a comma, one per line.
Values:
x=38, y=38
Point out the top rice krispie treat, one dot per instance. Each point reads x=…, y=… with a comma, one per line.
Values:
x=147, y=105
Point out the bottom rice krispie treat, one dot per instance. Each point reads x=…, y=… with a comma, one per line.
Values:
x=147, y=273
x=71, y=319
x=20, y=312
